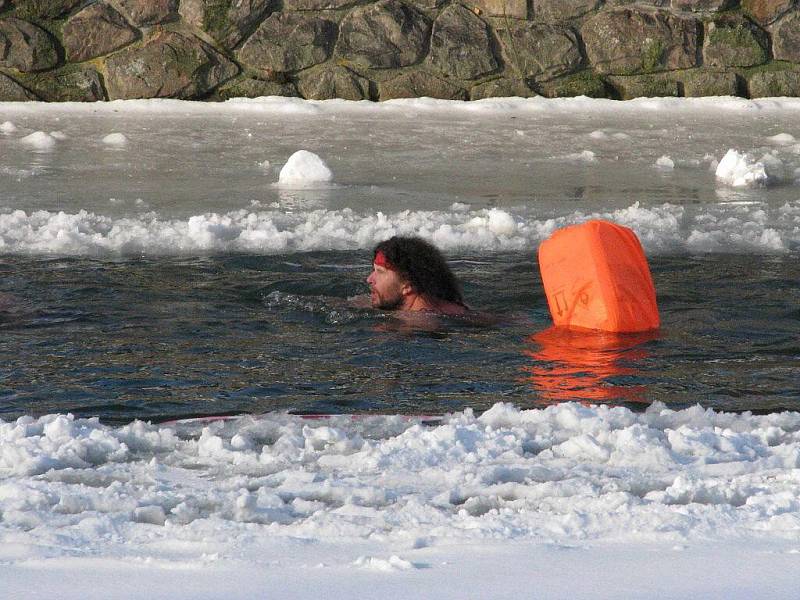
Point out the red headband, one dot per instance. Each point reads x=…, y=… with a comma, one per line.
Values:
x=381, y=260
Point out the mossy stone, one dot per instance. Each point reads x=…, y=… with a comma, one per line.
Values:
x=416, y=84
x=769, y=83
x=645, y=86
x=585, y=83
x=44, y=9
x=652, y=55
x=702, y=82
x=501, y=88
x=71, y=83
x=256, y=88
x=734, y=42
x=13, y=91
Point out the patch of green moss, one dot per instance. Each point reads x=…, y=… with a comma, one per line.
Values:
x=645, y=86
x=583, y=83
x=740, y=40
x=774, y=83
x=653, y=56
x=43, y=9
x=773, y=66
x=706, y=82
x=70, y=83
x=215, y=16
x=250, y=87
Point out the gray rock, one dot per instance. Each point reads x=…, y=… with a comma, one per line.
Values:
x=786, y=38
x=289, y=42
x=387, y=34
x=44, y=9
x=416, y=84
x=625, y=41
x=227, y=21
x=26, y=47
x=169, y=65
x=148, y=12
x=325, y=83
x=703, y=5
x=515, y=9
x=584, y=83
x=11, y=91
x=501, y=88
x=96, y=30
x=767, y=11
x=70, y=84
x=256, y=88
x=702, y=82
x=540, y=51
x=460, y=44
x=561, y=10
x=656, y=85
x=734, y=42
x=427, y=6
x=317, y=4
x=655, y=3
x=774, y=83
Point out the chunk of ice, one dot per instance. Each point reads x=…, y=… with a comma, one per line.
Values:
x=666, y=163
x=739, y=169
x=39, y=140
x=115, y=139
x=304, y=169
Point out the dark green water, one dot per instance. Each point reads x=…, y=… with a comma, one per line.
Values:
x=172, y=337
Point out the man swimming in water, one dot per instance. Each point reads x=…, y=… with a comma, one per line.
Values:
x=410, y=274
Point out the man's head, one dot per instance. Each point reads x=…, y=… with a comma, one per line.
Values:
x=405, y=267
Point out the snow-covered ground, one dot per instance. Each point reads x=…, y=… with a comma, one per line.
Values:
x=568, y=501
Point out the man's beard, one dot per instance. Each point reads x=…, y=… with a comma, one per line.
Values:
x=389, y=303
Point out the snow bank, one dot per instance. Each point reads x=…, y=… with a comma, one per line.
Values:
x=304, y=169
x=279, y=105
x=383, y=492
x=749, y=228
x=7, y=127
x=742, y=170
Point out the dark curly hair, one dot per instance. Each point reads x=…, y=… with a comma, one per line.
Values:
x=422, y=264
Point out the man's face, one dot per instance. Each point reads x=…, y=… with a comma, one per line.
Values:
x=385, y=288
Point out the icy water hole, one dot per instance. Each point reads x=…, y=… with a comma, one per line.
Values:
x=163, y=273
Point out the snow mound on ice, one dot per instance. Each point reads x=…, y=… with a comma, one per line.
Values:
x=115, y=139
x=304, y=169
x=39, y=140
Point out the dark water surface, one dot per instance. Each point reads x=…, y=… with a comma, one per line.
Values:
x=172, y=337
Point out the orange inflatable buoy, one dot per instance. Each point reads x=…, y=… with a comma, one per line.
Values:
x=596, y=276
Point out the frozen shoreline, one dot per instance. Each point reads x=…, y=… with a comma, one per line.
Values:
x=105, y=193
x=497, y=570
x=595, y=500
x=283, y=105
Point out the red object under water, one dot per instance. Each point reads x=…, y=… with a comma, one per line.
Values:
x=596, y=276
x=569, y=365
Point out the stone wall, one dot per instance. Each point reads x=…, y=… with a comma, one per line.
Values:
x=79, y=50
